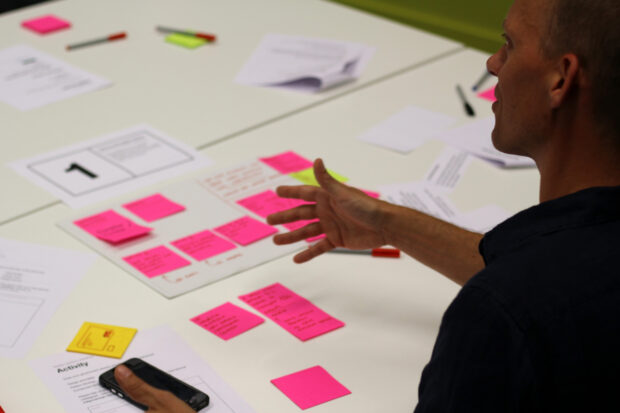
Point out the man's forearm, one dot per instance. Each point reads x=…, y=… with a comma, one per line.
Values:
x=446, y=248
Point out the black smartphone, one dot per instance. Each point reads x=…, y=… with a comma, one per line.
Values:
x=156, y=378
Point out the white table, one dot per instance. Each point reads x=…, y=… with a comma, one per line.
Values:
x=190, y=95
x=392, y=308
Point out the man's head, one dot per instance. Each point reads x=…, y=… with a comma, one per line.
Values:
x=560, y=60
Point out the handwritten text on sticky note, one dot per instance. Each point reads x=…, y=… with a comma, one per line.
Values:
x=111, y=227
x=154, y=207
x=156, y=261
x=203, y=245
x=310, y=387
x=268, y=202
x=227, y=321
x=246, y=230
x=292, y=312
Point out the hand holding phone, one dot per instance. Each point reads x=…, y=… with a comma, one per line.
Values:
x=146, y=385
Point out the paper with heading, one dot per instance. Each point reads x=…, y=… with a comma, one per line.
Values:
x=30, y=79
x=304, y=63
x=475, y=138
x=100, y=168
x=34, y=281
x=74, y=378
x=408, y=129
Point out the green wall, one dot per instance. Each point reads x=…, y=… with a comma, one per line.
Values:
x=477, y=23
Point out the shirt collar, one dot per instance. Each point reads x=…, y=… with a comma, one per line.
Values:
x=586, y=207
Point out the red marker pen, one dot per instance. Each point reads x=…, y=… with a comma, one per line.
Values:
x=110, y=38
x=376, y=252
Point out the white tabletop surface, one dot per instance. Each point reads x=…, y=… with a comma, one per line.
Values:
x=392, y=307
x=188, y=94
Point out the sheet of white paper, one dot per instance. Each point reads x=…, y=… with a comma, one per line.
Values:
x=30, y=79
x=448, y=169
x=407, y=129
x=110, y=165
x=475, y=138
x=216, y=193
x=73, y=377
x=34, y=280
x=303, y=63
x=484, y=219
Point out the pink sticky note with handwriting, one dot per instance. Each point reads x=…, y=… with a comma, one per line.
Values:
x=156, y=261
x=310, y=387
x=203, y=245
x=268, y=202
x=292, y=312
x=227, y=321
x=46, y=24
x=292, y=226
x=154, y=207
x=287, y=162
x=246, y=230
x=488, y=94
x=112, y=227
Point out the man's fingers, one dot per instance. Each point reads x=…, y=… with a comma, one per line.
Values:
x=304, y=192
x=307, y=231
x=293, y=214
x=136, y=388
x=313, y=251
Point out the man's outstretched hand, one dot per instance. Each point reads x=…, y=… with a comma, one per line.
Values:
x=348, y=217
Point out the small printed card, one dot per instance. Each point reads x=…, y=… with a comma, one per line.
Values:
x=156, y=261
x=102, y=340
x=227, y=321
x=46, y=24
x=203, y=245
x=292, y=312
x=112, y=227
x=246, y=230
x=154, y=207
x=310, y=387
x=287, y=162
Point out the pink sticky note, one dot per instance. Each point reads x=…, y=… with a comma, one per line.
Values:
x=268, y=202
x=46, y=24
x=154, y=207
x=292, y=226
x=112, y=227
x=246, y=230
x=310, y=387
x=292, y=312
x=227, y=321
x=156, y=261
x=488, y=94
x=371, y=194
x=287, y=162
x=203, y=245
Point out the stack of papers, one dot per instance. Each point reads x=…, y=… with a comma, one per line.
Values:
x=303, y=63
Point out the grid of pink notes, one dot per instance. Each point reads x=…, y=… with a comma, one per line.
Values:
x=227, y=321
x=292, y=312
x=46, y=24
x=246, y=230
x=268, y=202
x=112, y=227
x=310, y=387
x=153, y=207
x=287, y=162
x=203, y=245
x=156, y=261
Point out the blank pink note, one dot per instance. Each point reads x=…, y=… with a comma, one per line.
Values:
x=488, y=94
x=246, y=230
x=156, y=261
x=310, y=387
x=154, y=207
x=112, y=227
x=268, y=202
x=287, y=162
x=203, y=245
x=46, y=24
x=227, y=321
x=292, y=312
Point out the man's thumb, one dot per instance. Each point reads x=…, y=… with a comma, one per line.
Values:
x=134, y=387
x=323, y=177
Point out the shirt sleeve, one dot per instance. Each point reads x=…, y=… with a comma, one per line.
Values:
x=480, y=361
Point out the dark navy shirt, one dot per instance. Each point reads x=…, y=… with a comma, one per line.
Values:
x=538, y=330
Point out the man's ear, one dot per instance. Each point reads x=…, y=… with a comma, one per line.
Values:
x=564, y=79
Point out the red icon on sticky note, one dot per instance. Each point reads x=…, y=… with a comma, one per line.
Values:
x=46, y=24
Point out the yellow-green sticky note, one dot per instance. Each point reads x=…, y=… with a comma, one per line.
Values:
x=102, y=340
x=190, y=42
x=307, y=176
